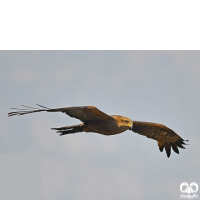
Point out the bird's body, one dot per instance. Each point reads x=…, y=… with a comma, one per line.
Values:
x=97, y=121
x=110, y=127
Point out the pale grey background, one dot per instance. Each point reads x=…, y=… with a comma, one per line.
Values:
x=157, y=86
x=20, y=177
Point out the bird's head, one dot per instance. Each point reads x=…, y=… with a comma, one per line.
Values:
x=123, y=121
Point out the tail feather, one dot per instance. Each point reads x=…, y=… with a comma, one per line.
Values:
x=69, y=129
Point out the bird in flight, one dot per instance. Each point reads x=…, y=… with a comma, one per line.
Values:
x=94, y=120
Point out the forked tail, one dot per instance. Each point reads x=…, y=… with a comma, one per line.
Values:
x=70, y=129
x=27, y=110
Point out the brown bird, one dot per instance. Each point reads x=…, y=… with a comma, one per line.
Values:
x=97, y=121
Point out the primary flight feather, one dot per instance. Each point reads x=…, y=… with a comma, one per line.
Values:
x=97, y=121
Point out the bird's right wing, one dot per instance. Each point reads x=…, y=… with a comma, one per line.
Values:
x=83, y=113
x=166, y=137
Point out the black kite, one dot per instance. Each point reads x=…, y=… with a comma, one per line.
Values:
x=97, y=121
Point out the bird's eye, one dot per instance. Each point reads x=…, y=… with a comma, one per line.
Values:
x=127, y=121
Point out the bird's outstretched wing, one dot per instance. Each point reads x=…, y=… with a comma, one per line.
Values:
x=83, y=113
x=166, y=137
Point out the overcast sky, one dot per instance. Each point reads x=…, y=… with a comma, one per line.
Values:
x=156, y=86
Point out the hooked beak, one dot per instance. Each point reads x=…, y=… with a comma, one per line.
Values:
x=131, y=127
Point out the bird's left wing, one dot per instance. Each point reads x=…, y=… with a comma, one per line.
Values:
x=166, y=137
x=83, y=113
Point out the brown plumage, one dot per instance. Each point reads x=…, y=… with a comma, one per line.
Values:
x=97, y=121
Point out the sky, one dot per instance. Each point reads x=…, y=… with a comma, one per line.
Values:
x=155, y=86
